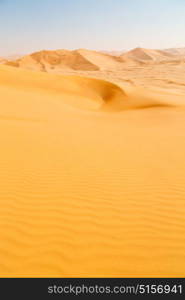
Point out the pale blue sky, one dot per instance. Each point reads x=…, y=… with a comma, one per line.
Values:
x=30, y=25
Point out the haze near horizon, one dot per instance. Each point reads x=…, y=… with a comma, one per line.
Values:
x=28, y=26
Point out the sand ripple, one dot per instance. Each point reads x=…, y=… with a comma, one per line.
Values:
x=89, y=189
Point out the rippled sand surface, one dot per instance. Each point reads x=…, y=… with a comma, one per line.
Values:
x=92, y=177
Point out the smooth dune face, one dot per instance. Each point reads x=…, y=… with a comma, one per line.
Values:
x=92, y=177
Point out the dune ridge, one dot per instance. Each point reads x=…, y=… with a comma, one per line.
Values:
x=57, y=61
x=44, y=60
x=80, y=59
x=83, y=92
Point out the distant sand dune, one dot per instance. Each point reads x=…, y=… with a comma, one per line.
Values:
x=56, y=61
x=176, y=51
x=76, y=60
x=46, y=60
x=141, y=54
x=92, y=182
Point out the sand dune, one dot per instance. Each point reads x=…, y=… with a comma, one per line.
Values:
x=147, y=55
x=176, y=51
x=59, y=60
x=77, y=60
x=102, y=60
x=51, y=60
x=113, y=53
x=83, y=92
x=175, y=62
x=2, y=60
x=92, y=182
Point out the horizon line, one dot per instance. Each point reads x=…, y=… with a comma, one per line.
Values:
x=82, y=48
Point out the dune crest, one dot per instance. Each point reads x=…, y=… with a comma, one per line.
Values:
x=85, y=93
x=66, y=60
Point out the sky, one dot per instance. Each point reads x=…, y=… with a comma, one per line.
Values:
x=32, y=25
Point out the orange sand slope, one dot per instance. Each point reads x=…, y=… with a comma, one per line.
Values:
x=92, y=178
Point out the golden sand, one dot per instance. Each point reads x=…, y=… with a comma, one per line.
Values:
x=92, y=175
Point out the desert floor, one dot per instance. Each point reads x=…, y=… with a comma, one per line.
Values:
x=92, y=173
